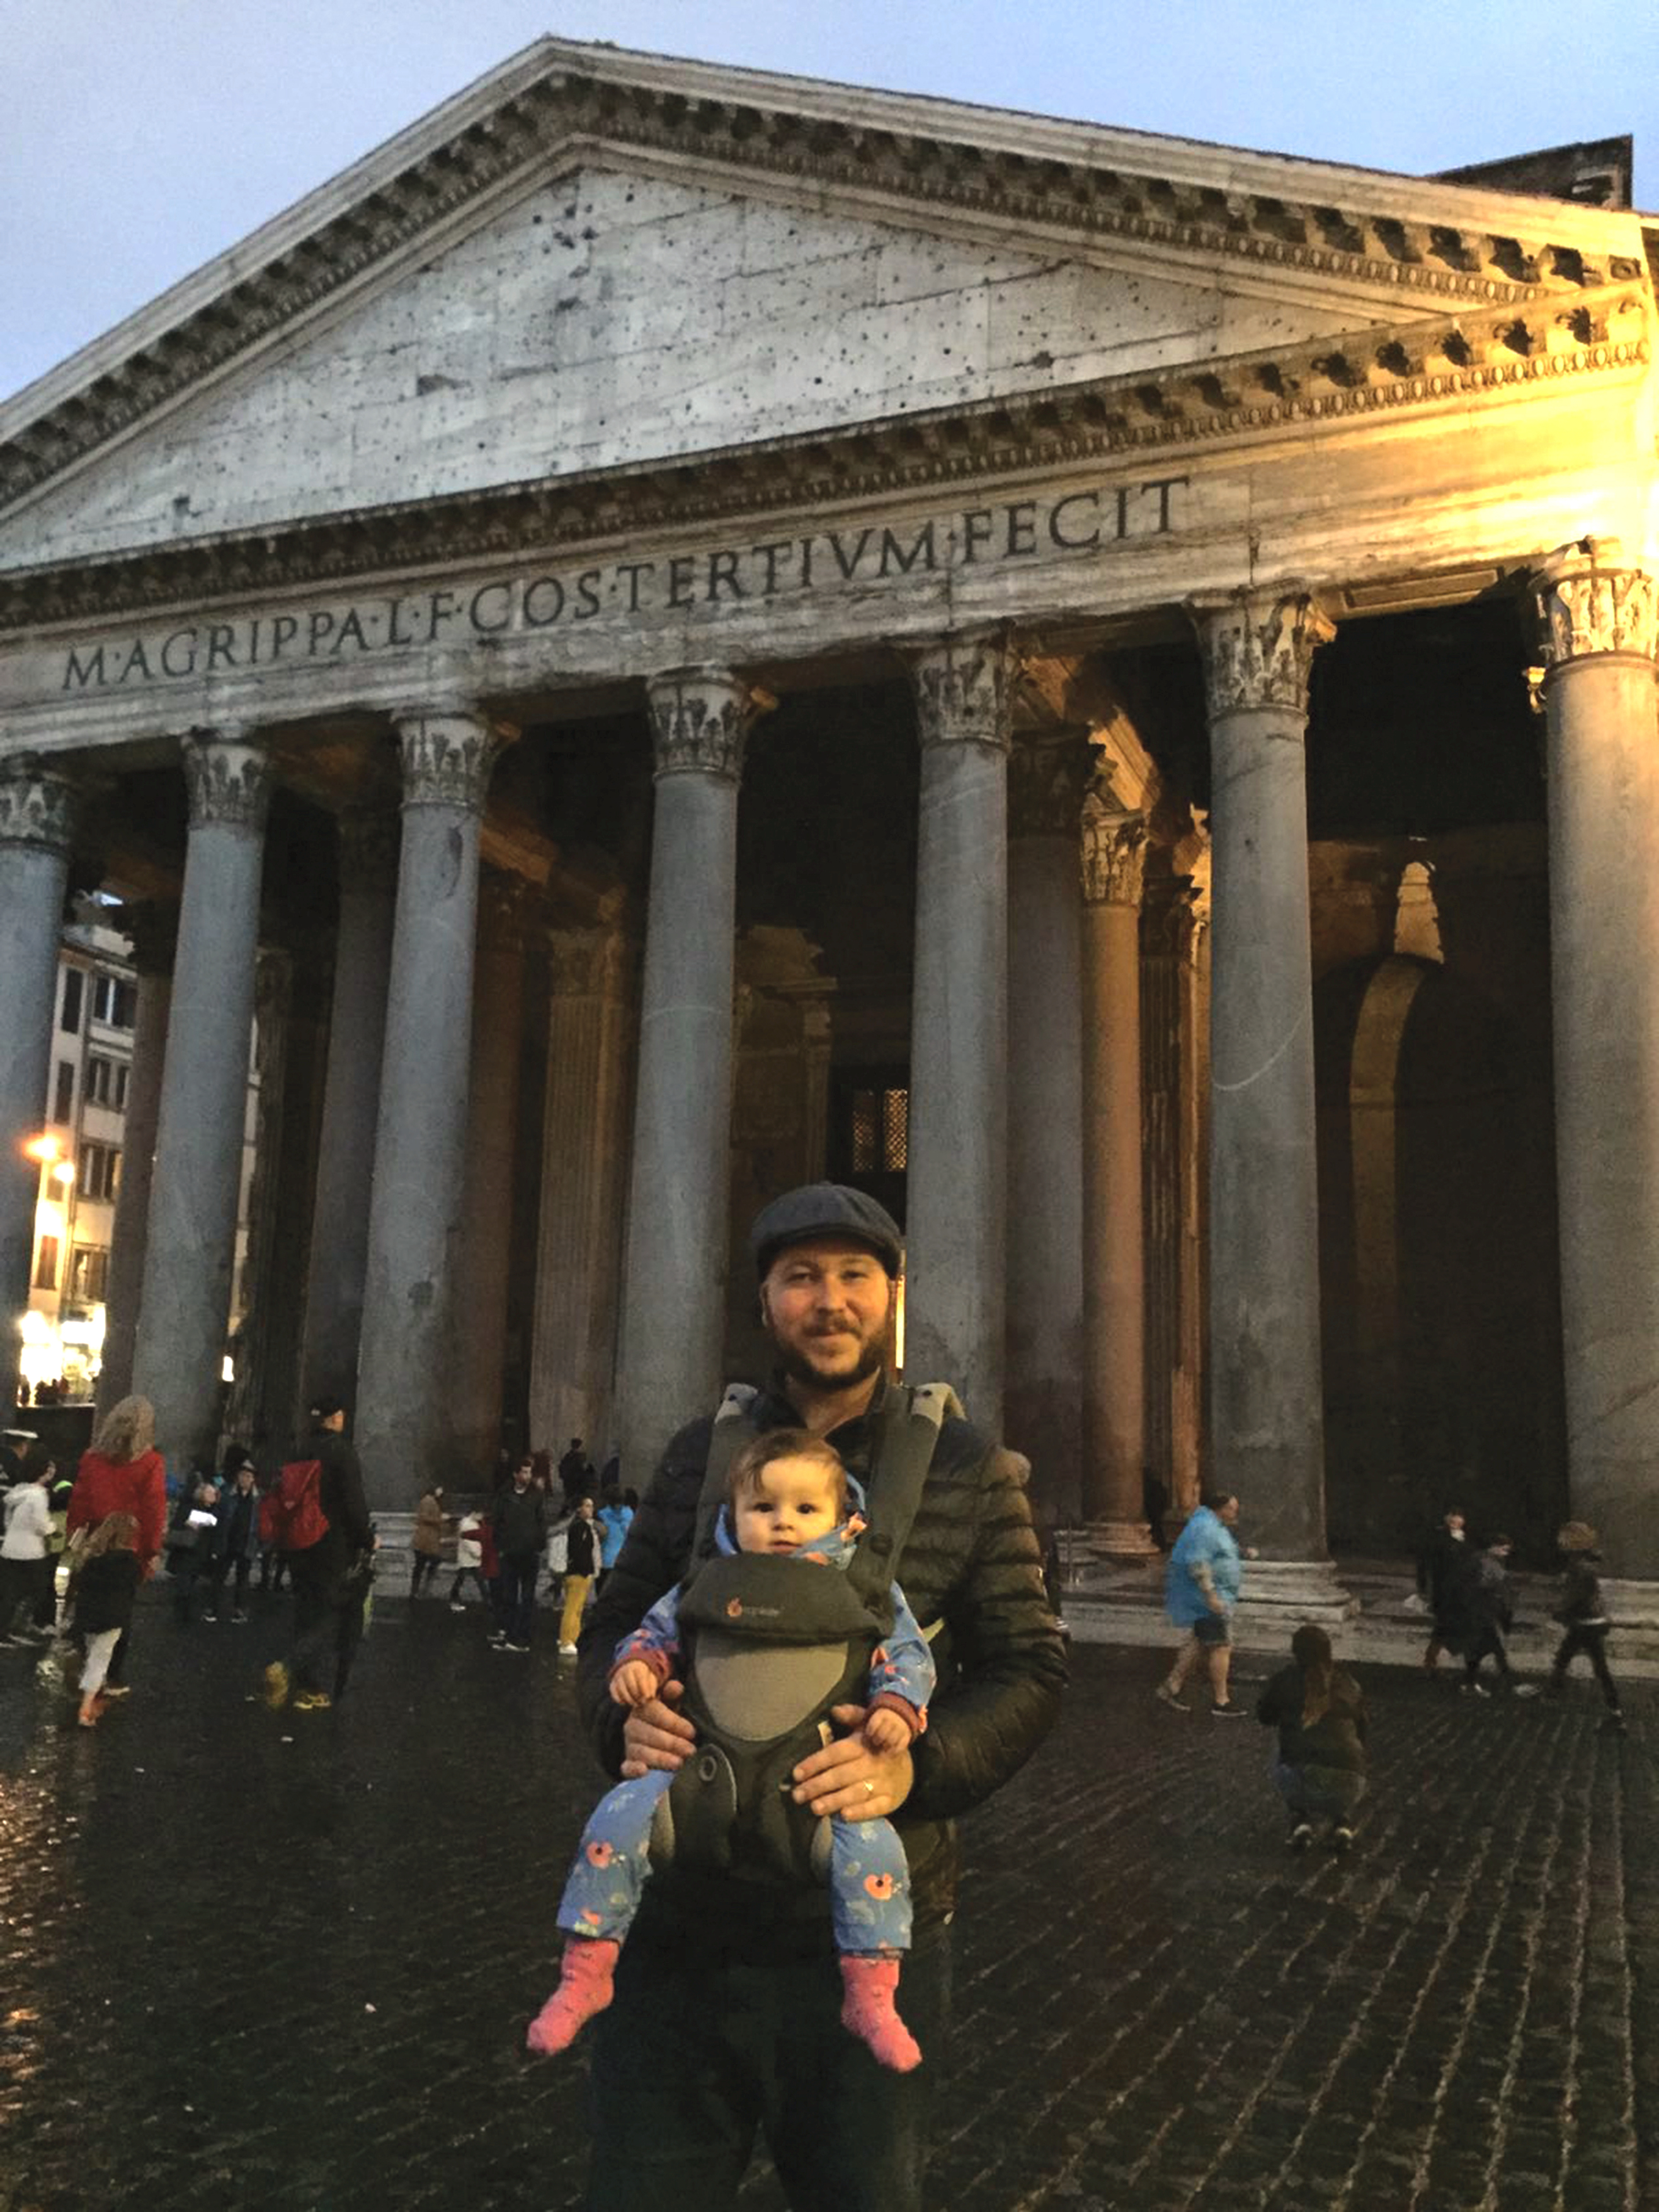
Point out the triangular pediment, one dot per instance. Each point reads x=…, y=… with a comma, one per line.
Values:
x=597, y=261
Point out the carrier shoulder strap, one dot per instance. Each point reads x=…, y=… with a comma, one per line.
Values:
x=732, y=1430
x=911, y=1421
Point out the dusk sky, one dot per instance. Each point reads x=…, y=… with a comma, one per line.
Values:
x=142, y=137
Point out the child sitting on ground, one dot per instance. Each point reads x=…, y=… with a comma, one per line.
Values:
x=1320, y=1713
x=788, y=1495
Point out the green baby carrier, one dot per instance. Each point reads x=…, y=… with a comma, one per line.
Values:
x=771, y=1645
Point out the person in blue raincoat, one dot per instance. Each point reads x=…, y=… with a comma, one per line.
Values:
x=1201, y=1588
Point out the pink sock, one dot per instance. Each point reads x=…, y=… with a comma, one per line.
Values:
x=584, y=1989
x=868, y=2012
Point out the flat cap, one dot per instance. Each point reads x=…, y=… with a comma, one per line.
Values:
x=825, y=1209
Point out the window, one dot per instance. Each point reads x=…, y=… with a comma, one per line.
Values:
x=62, y=1100
x=46, y=1264
x=106, y=1082
x=114, y=1002
x=100, y=1171
x=69, y=1020
x=89, y=1277
x=880, y=1132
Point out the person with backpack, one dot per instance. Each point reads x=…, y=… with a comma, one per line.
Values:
x=753, y=1962
x=322, y=1519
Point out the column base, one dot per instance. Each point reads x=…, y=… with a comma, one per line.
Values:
x=1120, y=1540
x=1291, y=1591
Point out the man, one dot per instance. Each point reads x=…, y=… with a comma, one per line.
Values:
x=1445, y=1575
x=521, y=1524
x=726, y=2017
x=575, y=1473
x=328, y=1574
x=1200, y=1592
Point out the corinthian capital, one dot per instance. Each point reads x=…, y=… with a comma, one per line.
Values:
x=1258, y=650
x=448, y=755
x=1590, y=599
x=227, y=777
x=700, y=720
x=37, y=805
x=1047, y=778
x=1114, y=855
x=964, y=688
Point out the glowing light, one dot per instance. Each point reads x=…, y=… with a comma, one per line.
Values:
x=64, y=1172
x=34, y=1327
x=43, y=1149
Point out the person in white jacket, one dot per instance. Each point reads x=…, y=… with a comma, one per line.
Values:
x=27, y=1564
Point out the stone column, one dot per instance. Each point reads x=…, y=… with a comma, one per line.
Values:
x=406, y=1368
x=37, y=824
x=1113, y=850
x=276, y=1407
x=273, y=1000
x=153, y=932
x=190, y=1243
x=351, y=1101
x=1266, y=1390
x=956, y=1197
x=492, y=1125
x=1044, y=1416
x=1597, y=615
x=674, y=1288
x=590, y=1044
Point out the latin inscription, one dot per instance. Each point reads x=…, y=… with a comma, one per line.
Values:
x=823, y=561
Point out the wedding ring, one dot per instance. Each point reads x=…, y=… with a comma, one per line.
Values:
x=869, y=1789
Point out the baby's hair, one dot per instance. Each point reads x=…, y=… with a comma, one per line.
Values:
x=747, y=1467
x=115, y=1532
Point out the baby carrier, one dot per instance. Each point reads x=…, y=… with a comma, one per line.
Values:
x=771, y=1644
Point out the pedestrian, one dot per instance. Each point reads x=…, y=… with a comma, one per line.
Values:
x=1320, y=1712
x=191, y=1543
x=323, y=1483
x=1583, y=1620
x=582, y=1558
x=1443, y=1576
x=576, y=1472
x=521, y=1524
x=27, y=1566
x=1490, y=1616
x=427, y=1540
x=469, y=1558
x=123, y=1473
x=273, y=1562
x=106, y=1579
x=490, y=1562
x=616, y=1516
x=726, y=2019
x=237, y=1546
x=1201, y=1588
x=788, y=1497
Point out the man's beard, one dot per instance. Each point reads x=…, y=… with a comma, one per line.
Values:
x=799, y=1369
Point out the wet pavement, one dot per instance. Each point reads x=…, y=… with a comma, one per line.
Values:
x=285, y=1962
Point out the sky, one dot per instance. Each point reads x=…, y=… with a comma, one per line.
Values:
x=139, y=138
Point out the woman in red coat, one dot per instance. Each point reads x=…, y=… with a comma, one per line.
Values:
x=124, y=1473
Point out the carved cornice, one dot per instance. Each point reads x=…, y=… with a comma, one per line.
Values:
x=448, y=756
x=151, y=928
x=38, y=806
x=567, y=113
x=368, y=850
x=1112, y=848
x=1258, y=650
x=965, y=690
x=1153, y=416
x=229, y=780
x=1047, y=779
x=700, y=721
x=1590, y=601
x=588, y=964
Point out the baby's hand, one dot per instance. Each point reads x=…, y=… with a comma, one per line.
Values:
x=883, y=1730
x=633, y=1683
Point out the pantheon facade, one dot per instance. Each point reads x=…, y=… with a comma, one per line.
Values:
x=675, y=631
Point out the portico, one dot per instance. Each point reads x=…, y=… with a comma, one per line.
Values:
x=1008, y=592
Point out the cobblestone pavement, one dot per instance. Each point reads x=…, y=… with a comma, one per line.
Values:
x=286, y=1963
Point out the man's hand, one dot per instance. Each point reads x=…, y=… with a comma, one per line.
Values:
x=656, y=1737
x=850, y=1778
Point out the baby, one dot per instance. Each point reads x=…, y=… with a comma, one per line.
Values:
x=788, y=1495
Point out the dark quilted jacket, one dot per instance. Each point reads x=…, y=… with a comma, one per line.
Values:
x=971, y=1562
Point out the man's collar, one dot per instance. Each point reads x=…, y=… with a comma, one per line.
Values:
x=775, y=1409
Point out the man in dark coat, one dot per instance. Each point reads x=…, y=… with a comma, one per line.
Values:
x=520, y=1517
x=329, y=1585
x=726, y=2017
